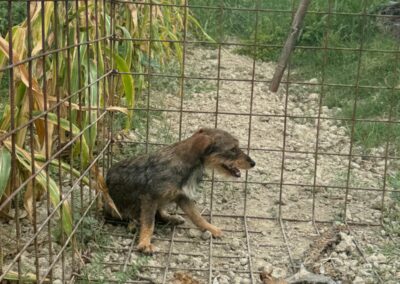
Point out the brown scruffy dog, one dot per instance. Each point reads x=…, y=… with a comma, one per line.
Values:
x=142, y=187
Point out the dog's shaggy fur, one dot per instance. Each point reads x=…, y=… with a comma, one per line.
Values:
x=141, y=187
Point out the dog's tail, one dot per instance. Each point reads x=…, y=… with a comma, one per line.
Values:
x=102, y=187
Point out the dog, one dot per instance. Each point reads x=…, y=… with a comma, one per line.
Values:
x=141, y=187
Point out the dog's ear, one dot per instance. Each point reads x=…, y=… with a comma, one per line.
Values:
x=201, y=130
x=202, y=143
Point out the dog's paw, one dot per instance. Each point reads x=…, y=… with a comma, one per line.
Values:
x=146, y=248
x=177, y=220
x=215, y=232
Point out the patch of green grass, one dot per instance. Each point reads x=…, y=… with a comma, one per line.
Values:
x=392, y=212
x=96, y=270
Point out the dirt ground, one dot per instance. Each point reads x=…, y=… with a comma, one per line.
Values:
x=365, y=254
x=229, y=259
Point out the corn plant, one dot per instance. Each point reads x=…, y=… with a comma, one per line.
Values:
x=65, y=74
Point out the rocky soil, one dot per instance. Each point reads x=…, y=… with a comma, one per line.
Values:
x=355, y=254
x=360, y=255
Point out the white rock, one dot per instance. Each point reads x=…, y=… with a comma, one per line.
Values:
x=313, y=96
x=279, y=273
x=346, y=244
x=243, y=261
x=380, y=258
x=267, y=268
x=358, y=280
x=224, y=279
x=206, y=235
x=182, y=258
x=193, y=233
x=235, y=244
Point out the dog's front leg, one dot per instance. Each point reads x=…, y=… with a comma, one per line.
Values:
x=188, y=206
x=148, y=209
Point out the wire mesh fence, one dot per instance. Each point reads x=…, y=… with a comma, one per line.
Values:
x=87, y=83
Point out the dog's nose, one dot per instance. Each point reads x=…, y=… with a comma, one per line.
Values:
x=252, y=163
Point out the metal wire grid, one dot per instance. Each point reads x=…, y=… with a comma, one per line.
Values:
x=107, y=79
x=42, y=233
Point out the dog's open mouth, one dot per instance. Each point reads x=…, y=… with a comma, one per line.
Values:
x=232, y=170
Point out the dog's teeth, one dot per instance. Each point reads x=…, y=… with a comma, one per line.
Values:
x=237, y=173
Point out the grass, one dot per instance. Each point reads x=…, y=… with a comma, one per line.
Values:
x=377, y=69
x=392, y=212
x=96, y=270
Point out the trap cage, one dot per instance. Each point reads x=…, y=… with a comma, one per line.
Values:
x=87, y=83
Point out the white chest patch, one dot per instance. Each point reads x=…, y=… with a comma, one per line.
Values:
x=191, y=187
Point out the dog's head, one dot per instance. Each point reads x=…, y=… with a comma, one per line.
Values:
x=221, y=151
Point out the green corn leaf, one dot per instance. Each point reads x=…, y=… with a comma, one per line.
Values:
x=129, y=47
x=64, y=124
x=128, y=84
x=5, y=167
x=66, y=167
x=91, y=133
x=197, y=25
x=47, y=183
x=75, y=66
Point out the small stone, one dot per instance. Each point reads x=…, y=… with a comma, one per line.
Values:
x=182, y=258
x=126, y=242
x=369, y=280
x=380, y=258
x=231, y=274
x=197, y=262
x=206, y=235
x=235, y=244
x=224, y=279
x=346, y=244
x=193, y=233
x=57, y=281
x=297, y=111
x=114, y=256
x=358, y=280
x=313, y=96
x=313, y=81
x=279, y=273
x=267, y=268
x=367, y=265
x=355, y=165
x=243, y=261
